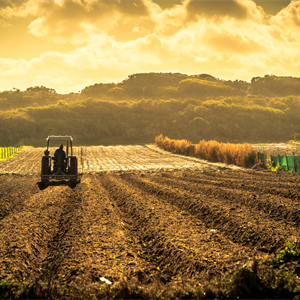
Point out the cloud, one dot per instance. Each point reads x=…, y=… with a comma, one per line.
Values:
x=287, y=21
x=235, y=43
x=72, y=20
x=116, y=38
x=4, y=23
x=20, y=8
x=193, y=50
x=234, y=37
x=167, y=21
x=218, y=9
x=104, y=59
x=38, y=28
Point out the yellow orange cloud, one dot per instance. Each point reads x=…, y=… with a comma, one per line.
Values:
x=218, y=9
x=112, y=39
x=287, y=21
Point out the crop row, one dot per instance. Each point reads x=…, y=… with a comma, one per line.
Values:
x=7, y=152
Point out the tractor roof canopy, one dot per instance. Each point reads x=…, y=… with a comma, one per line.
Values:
x=59, y=138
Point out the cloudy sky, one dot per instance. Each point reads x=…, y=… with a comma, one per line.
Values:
x=70, y=44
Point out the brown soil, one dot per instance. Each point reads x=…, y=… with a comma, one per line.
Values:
x=185, y=224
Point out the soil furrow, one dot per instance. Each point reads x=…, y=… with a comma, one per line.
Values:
x=286, y=187
x=238, y=223
x=274, y=179
x=26, y=233
x=14, y=183
x=13, y=198
x=67, y=231
x=97, y=244
x=275, y=208
x=176, y=245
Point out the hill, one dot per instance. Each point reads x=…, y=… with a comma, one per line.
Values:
x=143, y=106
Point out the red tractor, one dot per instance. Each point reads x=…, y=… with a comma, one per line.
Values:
x=63, y=167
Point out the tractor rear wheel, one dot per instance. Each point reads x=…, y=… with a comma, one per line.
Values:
x=73, y=169
x=45, y=169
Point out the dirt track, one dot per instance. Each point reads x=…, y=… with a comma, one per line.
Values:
x=195, y=222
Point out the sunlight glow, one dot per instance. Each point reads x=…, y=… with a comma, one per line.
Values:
x=69, y=44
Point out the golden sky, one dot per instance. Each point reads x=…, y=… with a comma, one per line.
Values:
x=70, y=44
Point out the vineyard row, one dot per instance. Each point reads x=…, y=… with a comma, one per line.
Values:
x=7, y=152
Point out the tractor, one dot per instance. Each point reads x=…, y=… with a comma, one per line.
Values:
x=65, y=168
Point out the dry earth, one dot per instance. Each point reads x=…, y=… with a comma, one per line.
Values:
x=140, y=212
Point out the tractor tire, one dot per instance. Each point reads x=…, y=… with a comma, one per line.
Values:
x=73, y=169
x=45, y=168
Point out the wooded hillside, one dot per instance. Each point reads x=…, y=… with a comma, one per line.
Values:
x=143, y=106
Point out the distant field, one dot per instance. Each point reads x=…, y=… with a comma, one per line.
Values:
x=101, y=159
x=290, y=148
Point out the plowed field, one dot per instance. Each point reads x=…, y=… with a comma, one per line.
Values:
x=101, y=159
x=140, y=212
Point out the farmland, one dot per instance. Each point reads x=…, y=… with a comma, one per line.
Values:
x=140, y=213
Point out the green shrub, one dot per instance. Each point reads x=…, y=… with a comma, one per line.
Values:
x=289, y=253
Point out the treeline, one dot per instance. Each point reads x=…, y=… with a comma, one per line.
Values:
x=158, y=86
x=92, y=121
x=167, y=86
x=180, y=86
x=223, y=111
x=33, y=97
